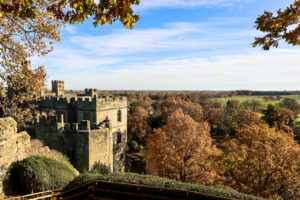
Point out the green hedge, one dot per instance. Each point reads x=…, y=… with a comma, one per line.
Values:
x=35, y=174
x=132, y=178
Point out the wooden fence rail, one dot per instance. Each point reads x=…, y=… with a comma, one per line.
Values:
x=107, y=190
x=46, y=195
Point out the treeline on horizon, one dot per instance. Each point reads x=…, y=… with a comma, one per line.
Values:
x=209, y=93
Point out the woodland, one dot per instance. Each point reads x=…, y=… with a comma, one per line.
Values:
x=251, y=146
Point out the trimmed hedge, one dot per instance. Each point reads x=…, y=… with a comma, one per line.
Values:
x=36, y=174
x=220, y=190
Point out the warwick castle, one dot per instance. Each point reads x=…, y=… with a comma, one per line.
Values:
x=88, y=128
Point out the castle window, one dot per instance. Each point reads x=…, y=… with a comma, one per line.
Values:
x=119, y=137
x=119, y=116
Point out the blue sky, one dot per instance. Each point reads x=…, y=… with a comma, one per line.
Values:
x=176, y=45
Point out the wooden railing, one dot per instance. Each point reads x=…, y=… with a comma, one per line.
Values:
x=107, y=190
x=46, y=195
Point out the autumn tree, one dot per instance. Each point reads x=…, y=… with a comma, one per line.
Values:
x=233, y=106
x=290, y=104
x=263, y=162
x=280, y=119
x=23, y=86
x=219, y=122
x=247, y=118
x=24, y=32
x=171, y=103
x=30, y=28
x=283, y=26
x=138, y=128
x=182, y=150
x=270, y=114
x=253, y=105
x=74, y=11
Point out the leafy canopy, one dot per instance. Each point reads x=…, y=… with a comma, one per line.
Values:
x=182, y=150
x=263, y=162
x=30, y=28
x=285, y=26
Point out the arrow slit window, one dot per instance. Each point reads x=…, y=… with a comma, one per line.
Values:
x=119, y=116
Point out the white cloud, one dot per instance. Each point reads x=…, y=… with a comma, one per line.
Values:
x=70, y=29
x=68, y=60
x=274, y=70
x=150, y=4
x=171, y=37
x=174, y=56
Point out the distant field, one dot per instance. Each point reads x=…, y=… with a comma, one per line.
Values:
x=259, y=98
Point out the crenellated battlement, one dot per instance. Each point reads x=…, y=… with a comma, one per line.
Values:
x=107, y=102
x=91, y=92
x=55, y=100
x=88, y=127
x=104, y=99
x=58, y=87
x=58, y=121
x=57, y=81
x=50, y=120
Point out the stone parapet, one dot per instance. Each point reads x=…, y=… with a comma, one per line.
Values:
x=12, y=146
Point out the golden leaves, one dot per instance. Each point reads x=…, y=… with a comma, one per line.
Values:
x=279, y=27
x=182, y=150
x=29, y=28
x=24, y=84
x=263, y=162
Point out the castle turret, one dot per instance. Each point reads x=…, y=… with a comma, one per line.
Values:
x=91, y=92
x=58, y=87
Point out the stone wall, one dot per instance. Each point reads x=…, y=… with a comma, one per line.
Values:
x=83, y=145
x=99, y=110
x=12, y=146
x=101, y=147
x=115, y=110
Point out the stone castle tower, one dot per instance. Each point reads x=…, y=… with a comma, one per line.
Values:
x=87, y=127
x=58, y=87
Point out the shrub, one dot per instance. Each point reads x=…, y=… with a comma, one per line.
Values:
x=35, y=174
x=100, y=168
x=221, y=191
x=134, y=145
x=37, y=148
x=141, y=147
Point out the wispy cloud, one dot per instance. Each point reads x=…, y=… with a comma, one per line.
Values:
x=127, y=47
x=150, y=4
x=172, y=37
x=274, y=70
x=178, y=55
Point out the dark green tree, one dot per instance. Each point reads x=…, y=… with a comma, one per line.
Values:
x=290, y=104
x=269, y=115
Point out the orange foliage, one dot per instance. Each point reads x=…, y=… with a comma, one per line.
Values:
x=182, y=150
x=263, y=162
x=171, y=103
x=24, y=85
x=138, y=128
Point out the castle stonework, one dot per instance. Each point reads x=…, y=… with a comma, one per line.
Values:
x=88, y=128
x=12, y=147
x=58, y=87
